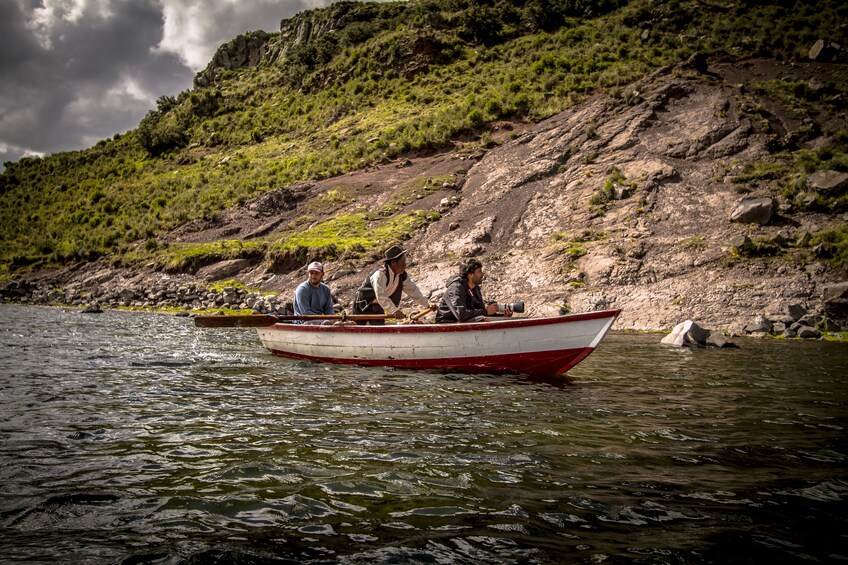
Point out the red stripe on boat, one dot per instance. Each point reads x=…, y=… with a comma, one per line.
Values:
x=538, y=363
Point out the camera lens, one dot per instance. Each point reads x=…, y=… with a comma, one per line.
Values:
x=517, y=307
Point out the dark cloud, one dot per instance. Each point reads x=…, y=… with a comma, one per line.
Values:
x=75, y=72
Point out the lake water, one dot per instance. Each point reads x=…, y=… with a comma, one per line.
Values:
x=137, y=438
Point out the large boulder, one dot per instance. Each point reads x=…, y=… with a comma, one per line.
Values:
x=687, y=333
x=753, y=210
x=808, y=332
x=796, y=312
x=690, y=334
x=828, y=182
x=760, y=324
x=718, y=339
x=835, y=302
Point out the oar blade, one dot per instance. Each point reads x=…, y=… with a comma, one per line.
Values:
x=244, y=321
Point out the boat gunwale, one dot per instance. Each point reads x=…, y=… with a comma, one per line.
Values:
x=500, y=324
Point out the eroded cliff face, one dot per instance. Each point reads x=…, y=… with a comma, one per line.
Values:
x=657, y=245
x=620, y=203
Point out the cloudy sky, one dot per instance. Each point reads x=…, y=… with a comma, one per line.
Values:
x=73, y=72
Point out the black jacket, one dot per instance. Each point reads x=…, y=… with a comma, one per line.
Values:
x=459, y=303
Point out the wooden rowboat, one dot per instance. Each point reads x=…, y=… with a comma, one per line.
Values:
x=535, y=346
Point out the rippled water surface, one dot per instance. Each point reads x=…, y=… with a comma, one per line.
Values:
x=138, y=438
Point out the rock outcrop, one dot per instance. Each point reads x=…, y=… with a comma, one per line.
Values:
x=690, y=334
x=243, y=51
x=310, y=26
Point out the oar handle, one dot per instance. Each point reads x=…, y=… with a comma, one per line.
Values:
x=415, y=317
x=419, y=315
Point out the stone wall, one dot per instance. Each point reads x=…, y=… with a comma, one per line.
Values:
x=165, y=294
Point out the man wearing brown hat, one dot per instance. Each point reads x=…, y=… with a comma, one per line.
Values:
x=381, y=291
x=312, y=296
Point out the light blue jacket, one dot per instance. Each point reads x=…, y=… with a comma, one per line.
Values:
x=309, y=300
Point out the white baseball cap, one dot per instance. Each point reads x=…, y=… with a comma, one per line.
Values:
x=315, y=266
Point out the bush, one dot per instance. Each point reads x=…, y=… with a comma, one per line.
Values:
x=159, y=133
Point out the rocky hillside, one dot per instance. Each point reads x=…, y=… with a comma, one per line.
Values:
x=662, y=247
x=614, y=203
x=714, y=189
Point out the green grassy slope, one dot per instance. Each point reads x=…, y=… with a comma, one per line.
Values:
x=398, y=78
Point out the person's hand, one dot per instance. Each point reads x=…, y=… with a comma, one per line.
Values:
x=507, y=313
x=434, y=307
x=399, y=315
x=492, y=309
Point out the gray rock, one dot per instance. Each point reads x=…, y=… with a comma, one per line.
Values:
x=808, y=332
x=246, y=50
x=717, y=339
x=687, y=333
x=828, y=181
x=808, y=320
x=835, y=301
x=743, y=244
x=752, y=210
x=785, y=319
x=803, y=239
x=796, y=311
x=806, y=199
x=760, y=324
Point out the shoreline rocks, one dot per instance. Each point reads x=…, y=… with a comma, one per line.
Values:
x=792, y=321
x=144, y=294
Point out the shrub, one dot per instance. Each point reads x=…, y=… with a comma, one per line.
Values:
x=832, y=245
x=159, y=133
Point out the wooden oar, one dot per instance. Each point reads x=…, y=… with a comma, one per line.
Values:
x=264, y=320
x=414, y=317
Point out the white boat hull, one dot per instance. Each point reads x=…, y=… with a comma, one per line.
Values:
x=525, y=345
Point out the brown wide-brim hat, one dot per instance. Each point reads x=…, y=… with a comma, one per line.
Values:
x=394, y=252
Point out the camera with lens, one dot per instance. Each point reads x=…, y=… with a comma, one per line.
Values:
x=517, y=307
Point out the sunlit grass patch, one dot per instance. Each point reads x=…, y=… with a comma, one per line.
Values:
x=347, y=236
x=186, y=257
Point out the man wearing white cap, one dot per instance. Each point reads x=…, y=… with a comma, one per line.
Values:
x=312, y=296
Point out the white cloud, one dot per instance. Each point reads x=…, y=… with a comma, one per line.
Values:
x=73, y=72
x=50, y=14
x=129, y=87
x=194, y=29
x=184, y=33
